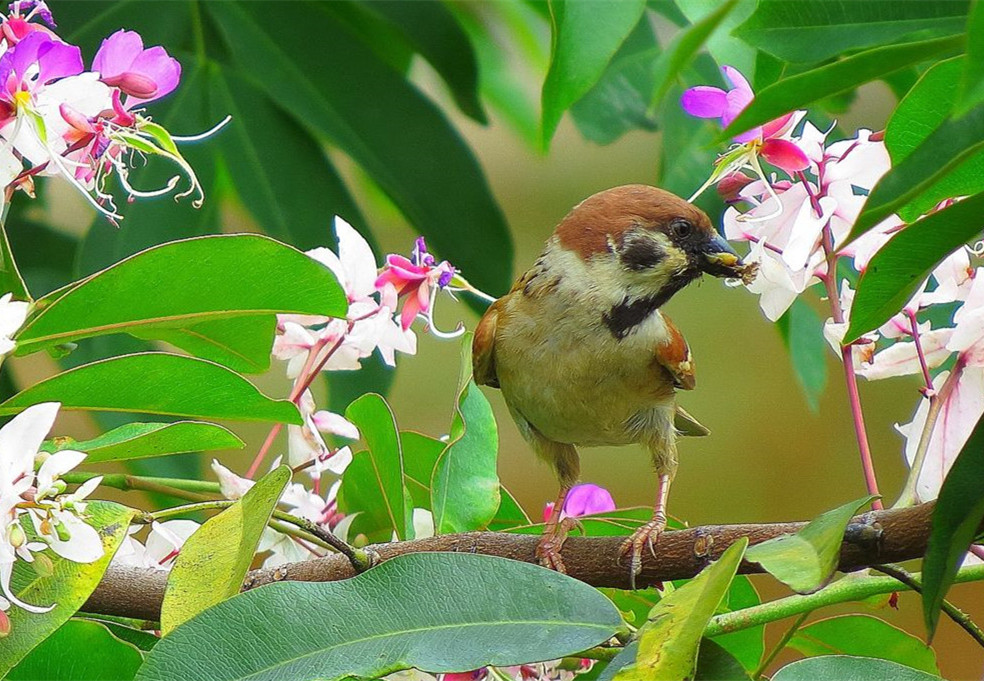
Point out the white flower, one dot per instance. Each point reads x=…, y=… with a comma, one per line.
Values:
x=355, y=264
x=162, y=547
x=231, y=485
x=12, y=316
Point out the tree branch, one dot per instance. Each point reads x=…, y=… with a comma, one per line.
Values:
x=876, y=537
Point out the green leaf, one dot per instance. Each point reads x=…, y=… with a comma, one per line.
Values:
x=944, y=151
x=923, y=109
x=956, y=518
x=214, y=561
x=11, y=280
x=619, y=101
x=373, y=484
x=747, y=645
x=465, y=485
x=864, y=636
x=686, y=155
x=898, y=269
x=183, y=283
x=420, y=455
x=343, y=633
x=139, y=638
x=805, y=561
x=509, y=514
x=67, y=586
x=79, y=650
x=143, y=440
x=620, y=522
x=683, y=48
x=721, y=45
x=435, y=35
x=668, y=642
x=241, y=344
x=972, y=81
x=157, y=383
x=848, y=667
x=381, y=121
x=841, y=76
x=716, y=663
x=585, y=34
x=812, y=32
x=802, y=333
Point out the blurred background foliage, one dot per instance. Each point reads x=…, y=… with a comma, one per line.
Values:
x=469, y=123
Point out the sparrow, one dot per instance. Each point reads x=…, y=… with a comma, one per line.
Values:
x=582, y=352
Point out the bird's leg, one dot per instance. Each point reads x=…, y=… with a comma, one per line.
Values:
x=554, y=534
x=648, y=534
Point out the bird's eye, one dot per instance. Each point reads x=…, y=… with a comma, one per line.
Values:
x=681, y=228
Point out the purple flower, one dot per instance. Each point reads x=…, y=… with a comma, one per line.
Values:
x=143, y=75
x=583, y=499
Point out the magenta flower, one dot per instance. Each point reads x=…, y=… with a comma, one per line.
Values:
x=711, y=102
x=584, y=499
x=18, y=25
x=27, y=68
x=419, y=280
x=142, y=74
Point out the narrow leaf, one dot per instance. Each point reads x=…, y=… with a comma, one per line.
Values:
x=204, y=280
x=802, y=332
x=585, y=34
x=833, y=79
x=214, y=561
x=956, y=519
x=11, y=280
x=451, y=607
x=157, y=383
x=805, y=561
x=669, y=641
x=898, y=269
x=66, y=587
x=465, y=486
x=972, y=81
x=373, y=484
x=420, y=455
x=144, y=440
x=79, y=650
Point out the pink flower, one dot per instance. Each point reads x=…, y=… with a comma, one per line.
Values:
x=142, y=74
x=418, y=280
x=711, y=102
x=584, y=499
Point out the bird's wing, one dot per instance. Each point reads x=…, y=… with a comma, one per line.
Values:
x=673, y=354
x=483, y=348
x=686, y=424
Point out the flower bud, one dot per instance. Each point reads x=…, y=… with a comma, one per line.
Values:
x=16, y=536
x=43, y=567
x=62, y=532
x=731, y=184
x=4, y=625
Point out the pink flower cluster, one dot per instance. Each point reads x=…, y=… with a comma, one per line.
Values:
x=798, y=225
x=57, y=118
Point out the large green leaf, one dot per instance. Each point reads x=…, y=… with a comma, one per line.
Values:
x=420, y=455
x=972, y=80
x=864, y=636
x=585, y=36
x=924, y=108
x=509, y=514
x=373, y=114
x=66, y=586
x=746, y=645
x=802, y=332
x=144, y=440
x=439, y=612
x=157, y=383
x=815, y=31
x=204, y=280
x=903, y=264
x=241, y=343
x=669, y=640
x=373, y=484
x=11, y=280
x=956, y=519
x=953, y=143
x=721, y=44
x=465, y=485
x=79, y=650
x=836, y=78
x=848, y=667
x=214, y=561
x=805, y=561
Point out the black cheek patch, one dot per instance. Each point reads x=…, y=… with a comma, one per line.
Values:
x=642, y=254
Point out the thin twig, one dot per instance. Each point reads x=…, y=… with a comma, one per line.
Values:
x=786, y=637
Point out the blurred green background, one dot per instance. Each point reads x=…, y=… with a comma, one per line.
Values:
x=769, y=457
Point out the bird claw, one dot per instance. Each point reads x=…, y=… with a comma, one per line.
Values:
x=548, y=550
x=647, y=535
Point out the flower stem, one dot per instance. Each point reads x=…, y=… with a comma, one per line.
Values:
x=847, y=359
x=192, y=490
x=914, y=332
x=936, y=401
x=853, y=588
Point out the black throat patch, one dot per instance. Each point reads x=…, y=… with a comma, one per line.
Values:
x=631, y=312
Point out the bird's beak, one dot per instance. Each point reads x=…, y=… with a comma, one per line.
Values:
x=719, y=259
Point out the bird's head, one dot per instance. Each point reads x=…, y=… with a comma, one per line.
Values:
x=647, y=241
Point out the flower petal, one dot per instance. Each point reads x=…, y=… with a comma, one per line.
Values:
x=704, y=101
x=784, y=154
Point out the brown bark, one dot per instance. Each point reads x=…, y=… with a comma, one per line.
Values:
x=873, y=538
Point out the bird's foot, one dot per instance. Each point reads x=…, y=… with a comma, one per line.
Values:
x=552, y=541
x=645, y=536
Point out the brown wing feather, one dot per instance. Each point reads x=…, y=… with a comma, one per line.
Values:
x=483, y=348
x=674, y=356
